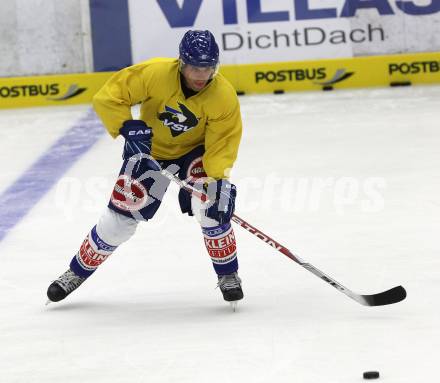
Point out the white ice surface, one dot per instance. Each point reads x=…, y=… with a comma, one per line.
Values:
x=151, y=313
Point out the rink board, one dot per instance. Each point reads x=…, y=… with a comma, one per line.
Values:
x=419, y=68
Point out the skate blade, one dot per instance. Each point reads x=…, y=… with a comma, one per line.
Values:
x=234, y=306
x=48, y=302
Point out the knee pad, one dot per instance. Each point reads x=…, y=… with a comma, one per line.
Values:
x=198, y=210
x=115, y=228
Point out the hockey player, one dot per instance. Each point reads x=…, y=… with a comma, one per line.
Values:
x=190, y=122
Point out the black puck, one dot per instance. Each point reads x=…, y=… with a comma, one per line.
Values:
x=371, y=374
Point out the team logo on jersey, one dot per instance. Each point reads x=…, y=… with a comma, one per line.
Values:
x=178, y=121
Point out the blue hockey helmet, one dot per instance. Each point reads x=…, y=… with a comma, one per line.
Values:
x=198, y=48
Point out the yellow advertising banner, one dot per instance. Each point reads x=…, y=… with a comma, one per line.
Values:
x=50, y=90
x=359, y=72
x=335, y=73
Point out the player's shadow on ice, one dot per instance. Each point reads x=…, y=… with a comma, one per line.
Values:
x=165, y=311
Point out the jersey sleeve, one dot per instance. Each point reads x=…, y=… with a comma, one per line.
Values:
x=114, y=100
x=222, y=139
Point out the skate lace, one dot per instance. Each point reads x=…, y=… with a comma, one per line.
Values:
x=69, y=281
x=228, y=282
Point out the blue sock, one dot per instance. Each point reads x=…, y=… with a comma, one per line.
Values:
x=222, y=248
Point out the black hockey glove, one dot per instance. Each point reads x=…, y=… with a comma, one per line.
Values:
x=137, y=136
x=223, y=193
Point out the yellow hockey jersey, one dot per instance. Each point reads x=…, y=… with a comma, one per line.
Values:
x=211, y=117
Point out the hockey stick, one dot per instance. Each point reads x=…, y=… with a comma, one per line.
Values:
x=394, y=295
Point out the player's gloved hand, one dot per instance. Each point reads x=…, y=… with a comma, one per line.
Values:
x=137, y=136
x=223, y=194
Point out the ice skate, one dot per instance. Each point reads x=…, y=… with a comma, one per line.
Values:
x=63, y=286
x=230, y=286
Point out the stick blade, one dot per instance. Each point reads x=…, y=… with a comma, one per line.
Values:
x=388, y=297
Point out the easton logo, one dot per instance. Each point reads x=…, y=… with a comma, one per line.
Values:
x=178, y=121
